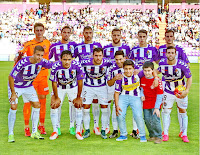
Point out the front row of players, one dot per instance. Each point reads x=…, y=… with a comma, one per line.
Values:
x=88, y=79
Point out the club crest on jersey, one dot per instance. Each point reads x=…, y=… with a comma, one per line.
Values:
x=176, y=71
x=44, y=47
x=165, y=104
x=73, y=72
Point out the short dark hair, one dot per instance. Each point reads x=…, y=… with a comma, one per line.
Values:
x=65, y=27
x=120, y=52
x=98, y=50
x=87, y=28
x=171, y=47
x=66, y=52
x=148, y=64
x=116, y=29
x=38, y=48
x=38, y=24
x=168, y=31
x=142, y=31
x=128, y=62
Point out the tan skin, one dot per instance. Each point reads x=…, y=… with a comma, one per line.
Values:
x=97, y=60
x=36, y=58
x=116, y=38
x=66, y=33
x=171, y=60
x=88, y=35
x=142, y=38
x=55, y=100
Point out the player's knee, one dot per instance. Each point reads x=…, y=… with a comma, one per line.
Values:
x=104, y=106
x=95, y=101
x=86, y=111
x=166, y=110
x=36, y=105
x=41, y=96
x=54, y=111
x=104, y=110
x=182, y=110
x=13, y=106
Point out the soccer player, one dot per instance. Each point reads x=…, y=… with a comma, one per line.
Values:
x=84, y=50
x=127, y=92
x=40, y=83
x=95, y=86
x=174, y=70
x=20, y=83
x=67, y=78
x=55, y=51
x=142, y=53
x=152, y=99
x=180, y=54
x=109, y=52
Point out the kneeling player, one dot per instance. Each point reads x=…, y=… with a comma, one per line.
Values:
x=67, y=78
x=20, y=83
x=127, y=92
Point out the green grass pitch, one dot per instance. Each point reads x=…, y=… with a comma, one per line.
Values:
x=67, y=144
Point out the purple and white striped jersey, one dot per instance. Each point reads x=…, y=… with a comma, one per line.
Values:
x=66, y=78
x=114, y=70
x=174, y=74
x=128, y=85
x=179, y=51
x=142, y=54
x=57, y=48
x=96, y=75
x=24, y=72
x=109, y=50
x=85, y=51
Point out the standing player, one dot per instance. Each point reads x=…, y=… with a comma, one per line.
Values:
x=180, y=54
x=95, y=86
x=67, y=78
x=127, y=92
x=55, y=51
x=142, y=53
x=174, y=70
x=84, y=50
x=20, y=83
x=40, y=83
x=109, y=52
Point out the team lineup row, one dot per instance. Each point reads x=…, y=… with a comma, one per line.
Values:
x=97, y=72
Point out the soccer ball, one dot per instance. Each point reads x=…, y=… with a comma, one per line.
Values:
x=178, y=90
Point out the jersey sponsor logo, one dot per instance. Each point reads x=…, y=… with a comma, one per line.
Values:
x=143, y=84
x=131, y=86
x=46, y=89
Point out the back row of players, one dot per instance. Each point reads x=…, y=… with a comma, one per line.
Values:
x=98, y=67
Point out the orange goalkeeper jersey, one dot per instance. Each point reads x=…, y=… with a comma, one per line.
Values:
x=28, y=49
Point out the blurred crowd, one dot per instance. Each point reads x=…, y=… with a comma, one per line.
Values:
x=19, y=27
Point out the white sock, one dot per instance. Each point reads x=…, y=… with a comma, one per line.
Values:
x=104, y=118
x=166, y=120
x=72, y=114
x=134, y=124
x=184, y=126
x=109, y=113
x=54, y=119
x=95, y=112
x=11, y=120
x=79, y=117
x=114, y=119
x=179, y=119
x=59, y=116
x=35, y=118
x=86, y=118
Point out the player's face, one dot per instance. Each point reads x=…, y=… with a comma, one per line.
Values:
x=171, y=54
x=169, y=38
x=66, y=34
x=148, y=72
x=116, y=36
x=142, y=38
x=128, y=70
x=119, y=59
x=38, y=55
x=66, y=60
x=88, y=34
x=39, y=31
x=97, y=57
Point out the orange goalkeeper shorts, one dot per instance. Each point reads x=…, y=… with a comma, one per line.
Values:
x=41, y=85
